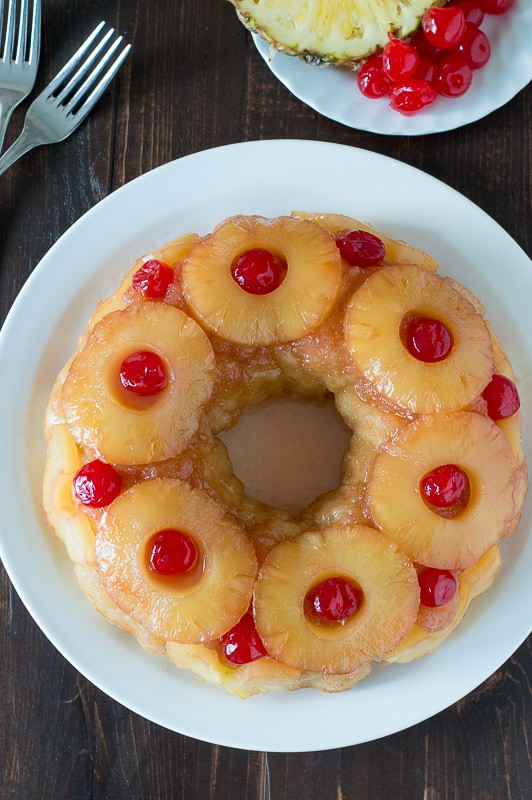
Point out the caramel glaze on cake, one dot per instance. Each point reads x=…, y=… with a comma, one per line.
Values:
x=327, y=328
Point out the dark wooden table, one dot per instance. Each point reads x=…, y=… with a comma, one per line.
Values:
x=195, y=81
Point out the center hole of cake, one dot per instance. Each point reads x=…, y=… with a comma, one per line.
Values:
x=288, y=452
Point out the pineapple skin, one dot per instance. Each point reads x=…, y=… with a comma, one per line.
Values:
x=331, y=31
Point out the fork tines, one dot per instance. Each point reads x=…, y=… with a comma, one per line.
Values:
x=86, y=75
x=25, y=45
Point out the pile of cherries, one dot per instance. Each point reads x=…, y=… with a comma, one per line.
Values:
x=439, y=59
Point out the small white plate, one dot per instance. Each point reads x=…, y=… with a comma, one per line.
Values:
x=333, y=91
x=86, y=264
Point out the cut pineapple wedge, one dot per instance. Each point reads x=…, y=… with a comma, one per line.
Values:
x=97, y=411
x=476, y=445
x=293, y=310
x=188, y=609
x=340, y=31
x=358, y=554
x=373, y=325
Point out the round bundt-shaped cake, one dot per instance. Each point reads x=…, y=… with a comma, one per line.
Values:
x=141, y=489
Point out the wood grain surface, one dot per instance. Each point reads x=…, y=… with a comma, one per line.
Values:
x=195, y=81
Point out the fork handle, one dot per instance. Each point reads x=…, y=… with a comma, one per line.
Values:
x=26, y=141
x=5, y=115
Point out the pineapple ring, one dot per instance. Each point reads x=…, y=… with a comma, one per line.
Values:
x=96, y=413
x=181, y=611
x=293, y=310
x=360, y=555
x=476, y=445
x=373, y=324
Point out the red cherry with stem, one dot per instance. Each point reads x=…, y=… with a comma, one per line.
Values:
x=399, y=59
x=428, y=339
x=333, y=600
x=437, y=587
x=497, y=6
x=424, y=47
x=473, y=10
x=259, y=271
x=361, y=248
x=97, y=484
x=143, y=373
x=445, y=486
x=153, y=278
x=412, y=96
x=502, y=397
x=242, y=643
x=171, y=552
x=444, y=27
x=474, y=47
x=372, y=80
x=426, y=69
x=453, y=76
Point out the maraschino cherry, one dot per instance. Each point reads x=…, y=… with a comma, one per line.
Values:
x=153, y=278
x=502, y=397
x=497, y=6
x=171, y=552
x=361, y=248
x=413, y=95
x=333, y=600
x=453, y=75
x=97, y=484
x=473, y=10
x=428, y=339
x=437, y=587
x=372, y=80
x=143, y=373
x=444, y=27
x=445, y=486
x=474, y=47
x=259, y=271
x=242, y=643
x=400, y=59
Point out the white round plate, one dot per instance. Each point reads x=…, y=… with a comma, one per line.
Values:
x=86, y=264
x=334, y=93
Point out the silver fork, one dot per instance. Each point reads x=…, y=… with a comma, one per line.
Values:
x=19, y=59
x=71, y=95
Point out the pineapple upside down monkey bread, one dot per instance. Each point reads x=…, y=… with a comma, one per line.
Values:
x=142, y=492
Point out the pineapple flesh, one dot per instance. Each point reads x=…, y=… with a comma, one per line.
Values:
x=373, y=329
x=333, y=31
x=358, y=554
x=187, y=609
x=126, y=431
x=394, y=500
x=295, y=308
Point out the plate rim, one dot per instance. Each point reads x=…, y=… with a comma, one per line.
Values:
x=12, y=321
x=512, y=83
